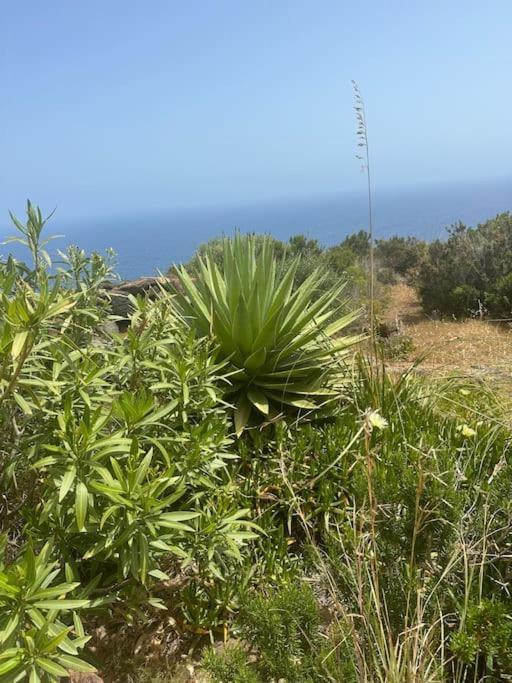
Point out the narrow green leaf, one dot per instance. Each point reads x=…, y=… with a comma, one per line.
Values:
x=256, y=360
x=51, y=667
x=34, y=676
x=10, y=627
x=76, y=664
x=63, y=605
x=81, y=501
x=18, y=343
x=67, y=482
x=9, y=665
x=54, y=642
x=158, y=574
x=23, y=403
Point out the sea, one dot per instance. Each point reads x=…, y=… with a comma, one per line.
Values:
x=148, y=243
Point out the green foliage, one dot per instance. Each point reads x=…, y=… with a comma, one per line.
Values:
x=470, y=271
x=282, y=629
x=283, y=626
x=346, y=262
x=278, y=341
x=370, y=544
x=41, y=633
x=397, y=346
x=231, y=665
x=112, y=446
x=358, y=243
x=485, y=639
x=401, y=255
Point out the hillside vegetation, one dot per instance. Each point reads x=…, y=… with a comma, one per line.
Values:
x=232, y=491
x=467, y=275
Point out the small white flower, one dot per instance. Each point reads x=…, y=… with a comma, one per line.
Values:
x=375, y=420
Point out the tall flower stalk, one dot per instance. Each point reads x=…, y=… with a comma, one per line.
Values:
x=364, y=157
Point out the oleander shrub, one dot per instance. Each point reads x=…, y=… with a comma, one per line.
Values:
x=41, y=633
x=114, y=449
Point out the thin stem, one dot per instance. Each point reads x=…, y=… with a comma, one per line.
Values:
x=23, y=357
x=362, y=134
x=370, y=230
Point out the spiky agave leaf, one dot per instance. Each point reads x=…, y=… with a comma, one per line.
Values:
x=283, y=348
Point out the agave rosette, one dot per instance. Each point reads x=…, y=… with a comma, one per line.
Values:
x=281, y=342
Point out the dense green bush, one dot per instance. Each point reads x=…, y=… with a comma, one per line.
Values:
x=486, y=636
x=470, y=272
x=112, y=447
x=401, y=255
x=307, y=256
x=282, y=629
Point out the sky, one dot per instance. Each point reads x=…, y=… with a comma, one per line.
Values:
x=118, y=106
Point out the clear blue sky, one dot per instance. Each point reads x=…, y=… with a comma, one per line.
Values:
x=114, y=106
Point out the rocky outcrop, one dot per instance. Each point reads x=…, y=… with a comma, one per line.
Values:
x=119, y=294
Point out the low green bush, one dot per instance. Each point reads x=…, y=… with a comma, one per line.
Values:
x=484, y=641
x=401, y=256
x=281, y=628
x=231, y=665
x=397, y=346
x=469, y=273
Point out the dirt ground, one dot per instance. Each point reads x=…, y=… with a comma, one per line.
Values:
x=472, y=347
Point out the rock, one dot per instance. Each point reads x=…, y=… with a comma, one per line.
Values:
x=119, y=294
x=78, y=677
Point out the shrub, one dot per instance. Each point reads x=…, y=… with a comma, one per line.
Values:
x=231, y=665
x=41, y=633
x=278, y=342
x=396, y=346
x=281, y=628
x=485, y=639
x=470, y=271
x=113, y=447
x=400, y=255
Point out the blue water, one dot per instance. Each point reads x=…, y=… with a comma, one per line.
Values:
x=150, y=242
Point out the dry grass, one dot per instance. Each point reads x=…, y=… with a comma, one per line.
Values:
x=472, y=347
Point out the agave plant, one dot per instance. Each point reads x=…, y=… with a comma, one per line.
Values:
x=280, y=340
